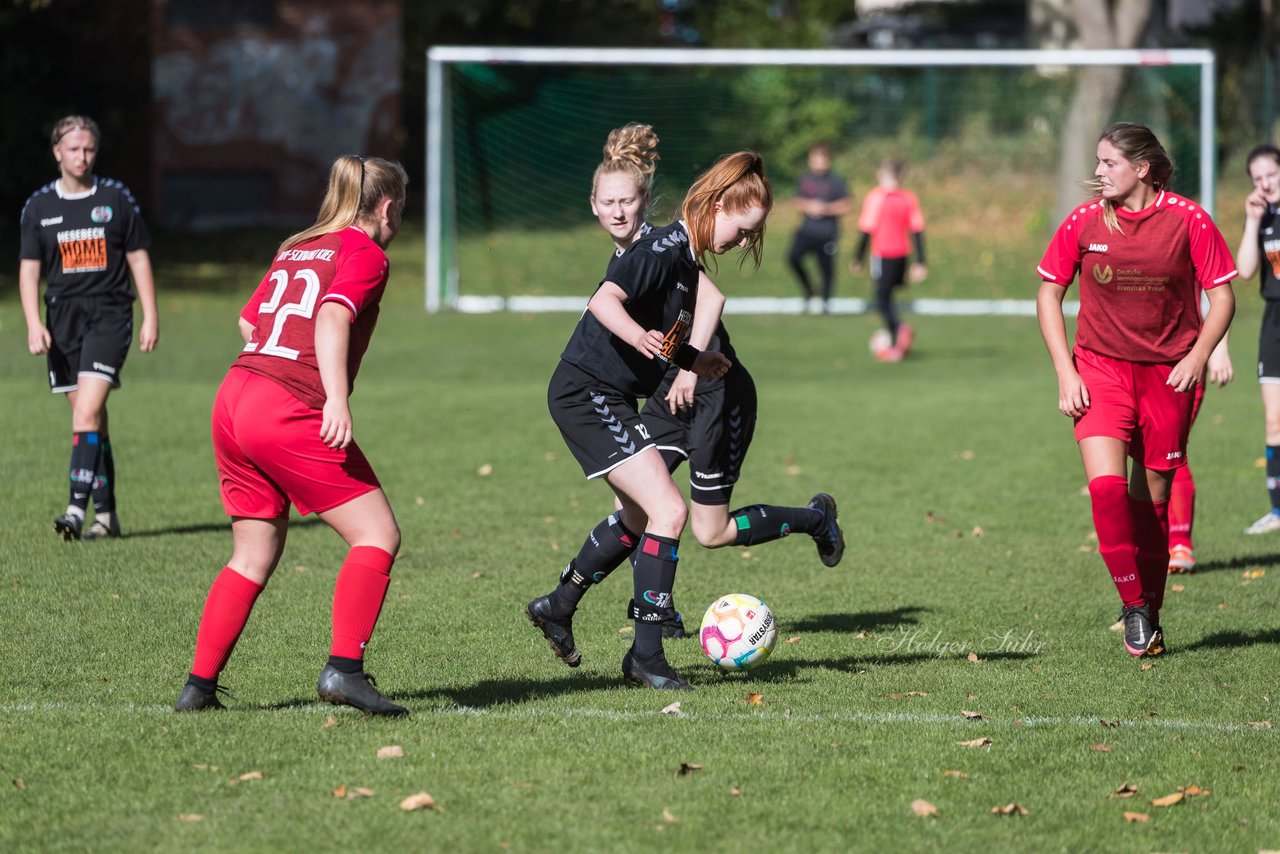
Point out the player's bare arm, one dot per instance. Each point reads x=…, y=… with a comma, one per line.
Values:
x=38, y=338
x=1073, y=397
x=333, y=340
x=144, y=282
x=609, y=307
x=1222, y=307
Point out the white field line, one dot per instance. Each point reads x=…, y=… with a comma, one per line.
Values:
x=771, y=305
x=527, y=713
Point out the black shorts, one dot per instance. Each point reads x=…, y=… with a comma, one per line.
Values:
x=1269, y=344
x=91, y=337
x=714, y=437
x=888, y=272
x=601, y=426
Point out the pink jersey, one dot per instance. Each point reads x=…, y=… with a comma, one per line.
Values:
x=346, y=267
x=891, y=217
x=1139, y=287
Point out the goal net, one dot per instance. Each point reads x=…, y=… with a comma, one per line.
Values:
x=514, y=135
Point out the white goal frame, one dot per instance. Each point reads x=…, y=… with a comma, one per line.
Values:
x=442, y=284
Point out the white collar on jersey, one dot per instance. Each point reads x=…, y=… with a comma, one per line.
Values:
x=689, y=245
x=63, y=194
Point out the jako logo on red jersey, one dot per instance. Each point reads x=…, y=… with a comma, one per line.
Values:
x=1097, y=247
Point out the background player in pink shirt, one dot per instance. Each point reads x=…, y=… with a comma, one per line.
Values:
x=1142, y=254
x=890, y=222
x=283, y=432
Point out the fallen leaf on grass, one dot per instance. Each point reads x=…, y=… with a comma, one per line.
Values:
x=930, y=516
x=908, y=694
x=793, y=470
x=863, y=634
x=300, y=568
x=1009, y=809
x=420, y=801
x=1125, y=791
x=1194, y=791
x=673, y=709
x=1178, y=588
x=190, y=817
x=735, y=791
x=391, y=751
x=20, y=784
x=1168, y=800
x=248, y=775
x=977, y=742
x=626, y=630
x=1139, y=817
x=478, y=575
x=793, y=639
x=1261, y=724
x=1117, y=626
x=973, y=658
x=668, y=817
x=1147, y=665
x=485, y=470
x=953, y=773
x=923, y=808
x=687, y=768
x=966, y=455
x=973, y=716
x=344, y=792
x=977, y=531
x=1101, y=748
x=1109, y=724
x=1251, y=574
x=755, y=699
x=330, y=721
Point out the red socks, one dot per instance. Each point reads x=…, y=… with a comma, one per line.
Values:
x=1182, y=507
x=1151, y=531
x=1113, y=522
x=357, y=599
x=226, y=611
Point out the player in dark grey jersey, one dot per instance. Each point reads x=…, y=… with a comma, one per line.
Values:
x=822, y=198
x=88, y=238
x=637, y=322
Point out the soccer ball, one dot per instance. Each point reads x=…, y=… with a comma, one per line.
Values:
x=880, y=341
x=738, y=632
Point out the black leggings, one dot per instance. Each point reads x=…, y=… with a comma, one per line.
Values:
x=825, y=250
x=888, y=273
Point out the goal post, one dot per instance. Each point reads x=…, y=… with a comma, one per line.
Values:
x=513, y=134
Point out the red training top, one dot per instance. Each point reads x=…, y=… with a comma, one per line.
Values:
x=890, y=217
x=343, y=266
x=1139, y=287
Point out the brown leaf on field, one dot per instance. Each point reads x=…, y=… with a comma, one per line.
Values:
x=330, y=722
x=360, y=792
x=668, y=817
x=341, y=791
x=977, y=742
x=1009, y=809
x=950, y=772
x=923, y=808
x=551, y=456
x=1117, y=626
x=755, y=699
x=673, y=709
x=1109, y=724
x=246, y=776
x=907, y=694
x=1259, y=724
x=20, y=784
x=419, y=501
x=973, y=658
x=1251, y=574
x=1168, y=800
x=1125, y=791
x=1139, y=817
x=626, y=630
x=420, y=801
x=478, y=575
x=735, y=791
x=1194, y=791
x=863, y=634
x=746, y=554
x=1178, y=588
x=301, y=568
x=1260, y=463
x=793, y=639
x=977, y=531
x=687, y=768
x=485, y=470
x=1101, y=748
x=930, y=516
x=190, y=817
x=966, y=455
x=1147, y=665
x=972, y=716
x=391, y=751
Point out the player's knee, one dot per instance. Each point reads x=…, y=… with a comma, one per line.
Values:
x=710, y=535
x=1273, y=426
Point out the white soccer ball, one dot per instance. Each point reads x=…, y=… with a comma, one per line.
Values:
x=738, y=632
x=880, y=341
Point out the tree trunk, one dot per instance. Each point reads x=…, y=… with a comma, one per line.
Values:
x=1102, y=24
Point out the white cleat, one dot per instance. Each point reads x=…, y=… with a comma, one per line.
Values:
x=1265, y=525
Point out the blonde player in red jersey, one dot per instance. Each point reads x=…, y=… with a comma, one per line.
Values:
x=1142, y=254
x=890, y=222
x=283, y=432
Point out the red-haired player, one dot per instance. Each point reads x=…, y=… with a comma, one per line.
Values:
x=1142, y=254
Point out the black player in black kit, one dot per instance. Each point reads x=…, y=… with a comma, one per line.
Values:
x=87, y=235
x=822, y=199
x=636, y=324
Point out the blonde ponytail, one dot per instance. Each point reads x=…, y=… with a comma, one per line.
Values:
x=357, y=185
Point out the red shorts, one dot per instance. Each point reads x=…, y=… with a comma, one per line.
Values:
x=1132, y=402
x=267, y=446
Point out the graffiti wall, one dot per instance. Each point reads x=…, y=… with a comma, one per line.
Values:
x=254, y=99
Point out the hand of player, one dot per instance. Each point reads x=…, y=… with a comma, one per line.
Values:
x=335, y=426
x=711, y=364
x=1186, y=373
x=1073, y=397
x=917, y=273
x=1255, y=205
x=650, y=343
x=149, y=335
x=39, y=339
x=680, y=398
x=1220, y=371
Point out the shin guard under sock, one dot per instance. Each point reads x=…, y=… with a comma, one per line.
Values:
x=226, y=610
x=1151, y=532
x=761, y=523
x=653, y=577
x=86, y=454
x=1182, y=507
x=358, y=595
x=1113, y=522
x=603, y=551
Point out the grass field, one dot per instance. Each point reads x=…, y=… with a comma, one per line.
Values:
x=960, y=490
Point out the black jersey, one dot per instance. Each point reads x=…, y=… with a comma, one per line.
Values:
x=81, y=240
x=825, y=188
x=660, y=278
x=1269, y=246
